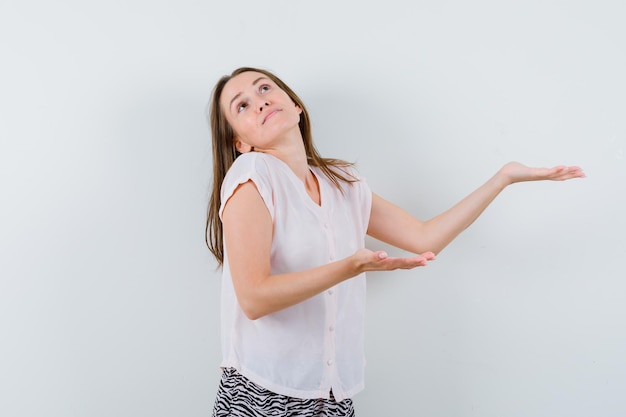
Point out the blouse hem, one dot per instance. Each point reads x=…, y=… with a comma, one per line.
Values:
x=295, y=393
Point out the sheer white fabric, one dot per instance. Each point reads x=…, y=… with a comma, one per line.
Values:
x=308, y=349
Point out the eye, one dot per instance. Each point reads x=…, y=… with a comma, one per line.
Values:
x=241, y=107
x=264, y=88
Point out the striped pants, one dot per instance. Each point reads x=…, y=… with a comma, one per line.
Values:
x=237, y=396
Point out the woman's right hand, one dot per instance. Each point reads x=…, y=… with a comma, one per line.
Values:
x=367, y=260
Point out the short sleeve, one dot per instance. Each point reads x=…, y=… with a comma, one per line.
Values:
x=248, y=167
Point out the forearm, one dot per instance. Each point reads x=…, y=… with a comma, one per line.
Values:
x=393, y=225
x=270, y=293
x=439, y=231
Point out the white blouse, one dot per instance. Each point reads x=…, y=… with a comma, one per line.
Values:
x=316, y=346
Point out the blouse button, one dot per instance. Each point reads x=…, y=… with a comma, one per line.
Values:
x=331, y=328
x=330, y=292
x=329, y=362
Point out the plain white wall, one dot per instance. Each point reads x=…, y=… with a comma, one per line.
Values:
x=109, y=300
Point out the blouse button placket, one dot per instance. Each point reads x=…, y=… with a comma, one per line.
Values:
x=331, y=301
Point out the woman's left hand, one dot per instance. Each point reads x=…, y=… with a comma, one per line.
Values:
x=515, y=172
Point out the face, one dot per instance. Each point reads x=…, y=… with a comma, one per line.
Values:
x=260, y=113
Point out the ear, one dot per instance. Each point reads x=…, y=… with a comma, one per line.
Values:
x=299, y=109
x=241, y=146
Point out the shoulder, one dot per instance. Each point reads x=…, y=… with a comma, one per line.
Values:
x=350, y=171
x=346, y=172
x=251, y=166
x=351, y=185
x=248, y=161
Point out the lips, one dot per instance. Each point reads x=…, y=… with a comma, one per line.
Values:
x=270, y=115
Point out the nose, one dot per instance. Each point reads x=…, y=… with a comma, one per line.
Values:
x=264, y=104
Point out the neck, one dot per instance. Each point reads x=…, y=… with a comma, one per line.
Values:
x=293, y=153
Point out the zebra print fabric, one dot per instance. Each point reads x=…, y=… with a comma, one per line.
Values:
x=237, y=396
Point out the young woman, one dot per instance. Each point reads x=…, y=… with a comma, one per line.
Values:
x=288, y=228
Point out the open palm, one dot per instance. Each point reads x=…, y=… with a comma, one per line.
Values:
x=516, y=172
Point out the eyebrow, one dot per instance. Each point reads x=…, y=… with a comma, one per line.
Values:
x=238, y=94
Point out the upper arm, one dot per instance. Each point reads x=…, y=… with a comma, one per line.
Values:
x=393, y=225
x=248, y=239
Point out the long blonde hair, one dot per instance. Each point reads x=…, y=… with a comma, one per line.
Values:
x=224, y=154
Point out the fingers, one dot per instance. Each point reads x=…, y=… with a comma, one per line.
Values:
x=561, y=173
x=383, y=262
x=429, y=256
x=516, y=172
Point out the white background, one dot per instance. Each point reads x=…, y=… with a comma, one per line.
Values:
x=109, y=298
